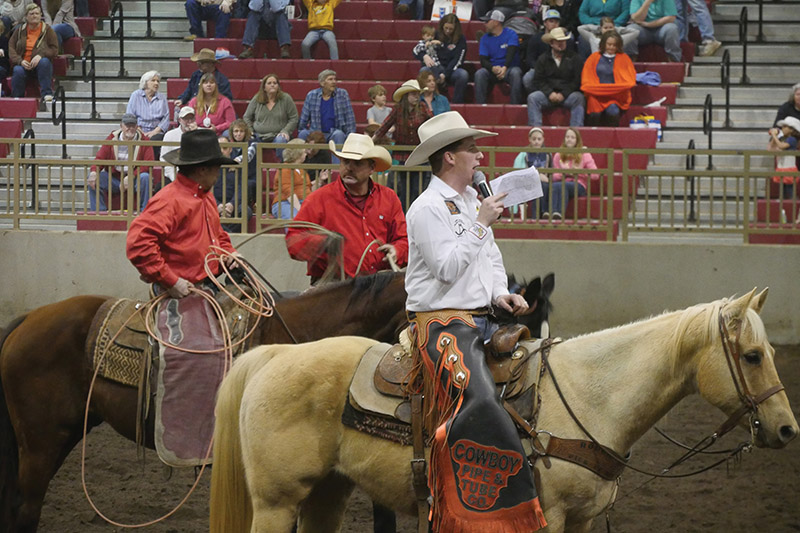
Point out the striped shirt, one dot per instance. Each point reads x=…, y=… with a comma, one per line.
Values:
x=151, y=114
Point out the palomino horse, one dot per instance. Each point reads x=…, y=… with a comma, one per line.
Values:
x=45, y=375
x=279, y=417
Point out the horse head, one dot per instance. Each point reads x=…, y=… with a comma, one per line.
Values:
x=737, y=374
x=537, y=294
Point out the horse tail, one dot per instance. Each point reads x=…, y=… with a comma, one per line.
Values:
x=231, y=508
x=9, y=466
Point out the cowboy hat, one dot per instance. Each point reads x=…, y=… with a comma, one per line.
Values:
x=556, y=34
x=205, y=54
x=358, y=146
x=440, y=131
x=407, y=87
x=198, y=147
x=792, y=122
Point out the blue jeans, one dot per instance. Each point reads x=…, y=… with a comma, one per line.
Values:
x=315, y=35
x=283, y=210
x=703, y=17
x=43, y=71
x=276, y=140
x=458, y=79
x=527, y=81
x=485, y=79
x=278, y=22
x=63, y=32
x=143, y=187
x=337, y=136
x=608, y=117
x=417, y=7
x=197, y=13
x=537, y=101
x=667, y=36
x=556, y=190
x=82, y=8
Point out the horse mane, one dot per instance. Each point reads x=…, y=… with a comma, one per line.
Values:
x=360, y=289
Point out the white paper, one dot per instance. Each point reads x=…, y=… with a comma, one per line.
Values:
x=521, y=185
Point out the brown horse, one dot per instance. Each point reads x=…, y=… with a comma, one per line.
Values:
x=45, y=376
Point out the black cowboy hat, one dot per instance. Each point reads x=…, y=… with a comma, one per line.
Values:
x=198, y=147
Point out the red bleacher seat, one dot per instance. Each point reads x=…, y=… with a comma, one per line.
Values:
x=19, y=108
x=770, y=210
x=669, y=72
x=593, y=231
x=87, y=25
x=309, y=70
x=99, y=8
x=654, y=53
x=645, y=94
x=73, y=46
x=9, y=129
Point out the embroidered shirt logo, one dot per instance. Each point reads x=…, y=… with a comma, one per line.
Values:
x=458, y=227
x=452, y=207
x=483, y=471
x=478, y=230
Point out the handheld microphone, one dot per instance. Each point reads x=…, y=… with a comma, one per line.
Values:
x=479, y=181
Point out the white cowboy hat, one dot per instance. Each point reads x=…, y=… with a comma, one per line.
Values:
x=792, y=122
x=439, y=131
x=358, y=146
x=556, y=34
x=407, y=87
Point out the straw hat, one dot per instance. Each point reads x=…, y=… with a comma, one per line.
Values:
x=198, y=147
x=556, y=34
x=407, y=87
x=358, y=146
x=439, y=131
x=205, y=54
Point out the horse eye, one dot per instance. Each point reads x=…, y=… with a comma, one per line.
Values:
x=753, y=358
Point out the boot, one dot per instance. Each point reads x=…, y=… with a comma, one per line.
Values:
x=246, y=52
x=285, y=52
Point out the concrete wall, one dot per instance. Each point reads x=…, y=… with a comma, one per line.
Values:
x=598, y=285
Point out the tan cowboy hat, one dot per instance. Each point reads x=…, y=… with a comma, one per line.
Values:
x=198, y=147
x=205, y=54
x=358, y=146
x=556, y=34
x=407, y=87
x=439, y=131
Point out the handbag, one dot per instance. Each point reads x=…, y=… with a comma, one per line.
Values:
x=641, y=122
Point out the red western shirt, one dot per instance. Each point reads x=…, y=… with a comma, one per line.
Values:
x=171, y=238
x=332, y=207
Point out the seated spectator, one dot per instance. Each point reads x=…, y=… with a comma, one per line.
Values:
x=292, y=185
x=499, y=60
x=241, y=133
x=60, y=14
x=791, y=108
x=655, y=21
x=320, y=26
x=186, y=122
x=591, y=32
x=273, y=14
x=5, y=65
x=206, y=64
x=225, y=189
x=150, y=108
x=416, y=7
x=557, y=81
x=12, y=13
x=425, y=51
x=212, y=109
x=564, y=186
x=537, y=160
x=217, y=10
x=271, y=113
x=317, y=156
x=451, y=56
x=33, y=48
x=328, y=110
x=379, y=110
x=120, y=174
x=436, y=102
x=785, y=137
x=709, y=44
x=536, y=46
x=568, y=9
x=606, y=82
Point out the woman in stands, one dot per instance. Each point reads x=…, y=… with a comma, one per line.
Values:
x=271, y=113
x=12, y=12
x=151, y=108
x=790, y=108
x=437, y=103
x=607, y=79
x=451, y=56
x=212, y=109
x=60, y=14
x=567, y=184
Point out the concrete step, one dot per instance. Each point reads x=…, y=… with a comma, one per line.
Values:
x=741, y=95
x=723, y=139
x=109, y=47
x=76, y=109
x=771, y=12
x=167, y=66
x=756, y=53
x=173, y=28
x=776, y=73
x=162, y=8
x=721, y=162
x=774, y=32
x=750, y=118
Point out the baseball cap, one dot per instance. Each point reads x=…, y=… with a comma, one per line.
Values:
x=551, y=14
x=186, y=110
x=497, y=15
x=129, y=119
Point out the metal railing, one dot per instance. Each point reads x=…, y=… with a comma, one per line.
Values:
x=690, y=167
x=149, y=31
x=34, y=184
x=744, y=80
x=708, y=126
x=90, y=76
x=725, y=75
x=61, y=118
x=117, y=17
x=760, y=35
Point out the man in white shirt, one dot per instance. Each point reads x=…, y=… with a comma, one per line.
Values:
x=455, y=273
x=187, y=122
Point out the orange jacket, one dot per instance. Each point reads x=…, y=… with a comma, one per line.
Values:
x=601, y=95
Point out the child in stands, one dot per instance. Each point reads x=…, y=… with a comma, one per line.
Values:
x=782, y=138
x=240, y=133
x=379, y=110
x=535, y=159
x=563, y=186
x=427, y=47
x=292, y=185
x=320, y=26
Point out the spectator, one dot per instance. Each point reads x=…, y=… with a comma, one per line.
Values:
x=60, y=14
x=436, y=102
x=217, y=10
x=271, y=113
x=451, y=55
x=569, y=11
x=709, y=45
x=425, y=51
x=407, y=116
x=318, y=157
x=212, y=109
x=593, y=27
x=533, y=159
x=320, y=26
x=791, y=108
x=563, y=186
x=292, y=185
x=240, y=132
x=207, y=64
x=119, y=174
x=536, y=46
x=557, y=81
x=328, y=110
x=273, y=14
x=225, y=190
x=655, y=20
x=356, y=207
x=150, y=108
x=499, y=60
x=12, y=13
x=5, y=65
x=606, y=82
x=186, y=122
x=379, y=110
x=33, y=47
x=785, y=137
x=417, y=8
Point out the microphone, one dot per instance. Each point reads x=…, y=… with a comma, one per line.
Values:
x=479, y=181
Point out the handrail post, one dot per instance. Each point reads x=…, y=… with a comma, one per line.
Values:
x=120, y=32
x=744, y=80
x=690, y=166
x=760, y=36
x=708, y=126
x=149, y=32
x=90, y=76
x=61, y=119
x=726, y=84
x=34, y=182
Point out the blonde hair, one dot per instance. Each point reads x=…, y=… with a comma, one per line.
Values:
x=576, y=157
x=375, y=90
x=201, y=103
x=291, y=155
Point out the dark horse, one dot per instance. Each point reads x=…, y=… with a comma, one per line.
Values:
x=45, y=375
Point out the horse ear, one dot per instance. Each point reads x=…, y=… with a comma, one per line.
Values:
x=737, y=308
x=757, y=303
x=549, y=284
x=532, y=291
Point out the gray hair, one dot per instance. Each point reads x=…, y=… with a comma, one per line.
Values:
x=795, y=87
x=147, y=76
x=324, y=74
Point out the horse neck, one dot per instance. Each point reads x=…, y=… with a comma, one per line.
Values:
x=621, y=381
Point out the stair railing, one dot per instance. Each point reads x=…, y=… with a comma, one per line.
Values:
x=760, y=36
x=744, y=80
x=61, y=119
x=117, y=16
x=149, y=32
x=690, y=166
x=708, y=126
x=725, y=76
x=90, y=76
x=34, y=184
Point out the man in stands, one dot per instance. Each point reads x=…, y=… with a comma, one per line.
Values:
x=206, y=62
x=455, y=273
x=327, y=109
x=187, y=122
x=357, y=208
x=499, y=54
x=557, y=81
x=655, y=20
x=217, y=10
x=33, y=47
x=537, y=47
x=709, y=44
x=273, y=13
x=117, y=178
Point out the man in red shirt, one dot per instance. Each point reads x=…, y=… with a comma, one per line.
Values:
x=168, y=242
x=356, y=207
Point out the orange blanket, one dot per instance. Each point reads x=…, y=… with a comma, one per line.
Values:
x=601, y=95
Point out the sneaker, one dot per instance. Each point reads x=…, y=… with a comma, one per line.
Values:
x=47, y=98
x=402, y=9
x=709, y=48
x=546, y=214
x=190, y=37
x=246, y=53
x=556, y=216
x=285, y=52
